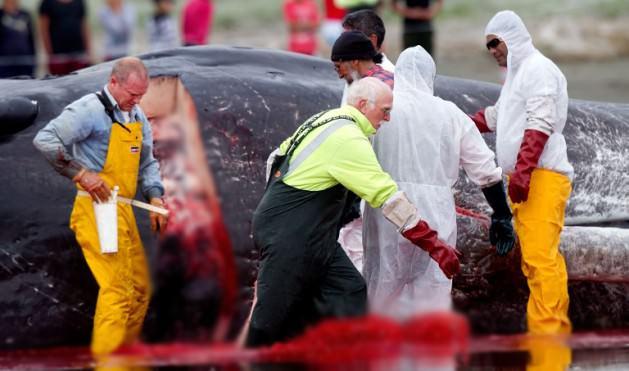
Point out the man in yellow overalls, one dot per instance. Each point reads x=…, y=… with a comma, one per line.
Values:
x=111, y=145
x=529, y=119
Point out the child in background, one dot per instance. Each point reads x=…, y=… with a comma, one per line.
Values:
x=161, y=28
x=302, y=19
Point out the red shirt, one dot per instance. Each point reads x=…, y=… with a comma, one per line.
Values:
x=332, y=11
x=302, y=12
x=197, y=22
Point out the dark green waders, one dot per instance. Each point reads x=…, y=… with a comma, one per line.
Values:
x=304, y=275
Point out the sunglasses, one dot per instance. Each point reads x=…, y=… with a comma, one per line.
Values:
x=492, y=44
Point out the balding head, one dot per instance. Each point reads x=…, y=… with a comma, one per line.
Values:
x=373, y=98
x=368, y=88
x=125, y=67
x=128, y=82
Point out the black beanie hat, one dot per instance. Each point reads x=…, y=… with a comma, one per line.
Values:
x=351, y=45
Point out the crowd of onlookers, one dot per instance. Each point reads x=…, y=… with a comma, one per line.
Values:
x=63, y=27
x=65, y=34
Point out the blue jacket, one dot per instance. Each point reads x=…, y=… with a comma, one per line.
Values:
x=85, y=127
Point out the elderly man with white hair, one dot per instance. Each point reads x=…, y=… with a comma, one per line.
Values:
x=529, y=118
x=422, y=149
x=304, y=274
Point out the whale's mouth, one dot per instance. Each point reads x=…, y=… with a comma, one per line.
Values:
x=195, y=250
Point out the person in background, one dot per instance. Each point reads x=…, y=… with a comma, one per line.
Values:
x=355, y=5
x=112, y=145
x=354, y=44
x=427, y=142
x=117, y=18
x=17, y=46
x=354, y=57
x=197, y=22
x=418, y=27
x=332, y=25
x=302, y=19
x=162, y=27
x=304, y=274
x=369, y=23
x=529, y=118
x=65, y=35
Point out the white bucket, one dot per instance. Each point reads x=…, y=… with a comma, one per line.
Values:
x=107, y=223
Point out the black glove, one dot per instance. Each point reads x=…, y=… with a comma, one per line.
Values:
x=501, y=232
x=501, y=235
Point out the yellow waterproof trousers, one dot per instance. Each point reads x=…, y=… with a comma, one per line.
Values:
x=538, y=224
x=547, y=353
x=123, y=277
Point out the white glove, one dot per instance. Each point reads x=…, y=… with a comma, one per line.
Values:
x=400, y=211
x=269, y=163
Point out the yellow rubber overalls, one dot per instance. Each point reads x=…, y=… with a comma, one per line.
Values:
x=547, y=353
x=123, y=277
x=538, y=223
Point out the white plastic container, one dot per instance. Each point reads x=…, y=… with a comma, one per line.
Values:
x=106, y=214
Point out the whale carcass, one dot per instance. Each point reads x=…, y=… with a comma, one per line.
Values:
x=217, y=112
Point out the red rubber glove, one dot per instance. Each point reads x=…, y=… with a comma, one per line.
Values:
x=530, y=151
x=479, y=120
x=426, y=238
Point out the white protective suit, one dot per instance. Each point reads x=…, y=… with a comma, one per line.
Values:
x=422, y=147
x=351, y=236
x=534, y=96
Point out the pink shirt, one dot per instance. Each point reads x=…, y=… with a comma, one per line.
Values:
x=197, y=21
x=302, y=12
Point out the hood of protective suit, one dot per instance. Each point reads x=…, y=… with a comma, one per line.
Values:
x=509, y=27
x=415, y=71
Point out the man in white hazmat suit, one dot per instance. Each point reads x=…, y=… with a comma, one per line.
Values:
x=528, y=119
x=422, y=148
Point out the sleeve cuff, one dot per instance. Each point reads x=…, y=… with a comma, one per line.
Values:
x=71, y=169
x=154, y=192
x=400, y=211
